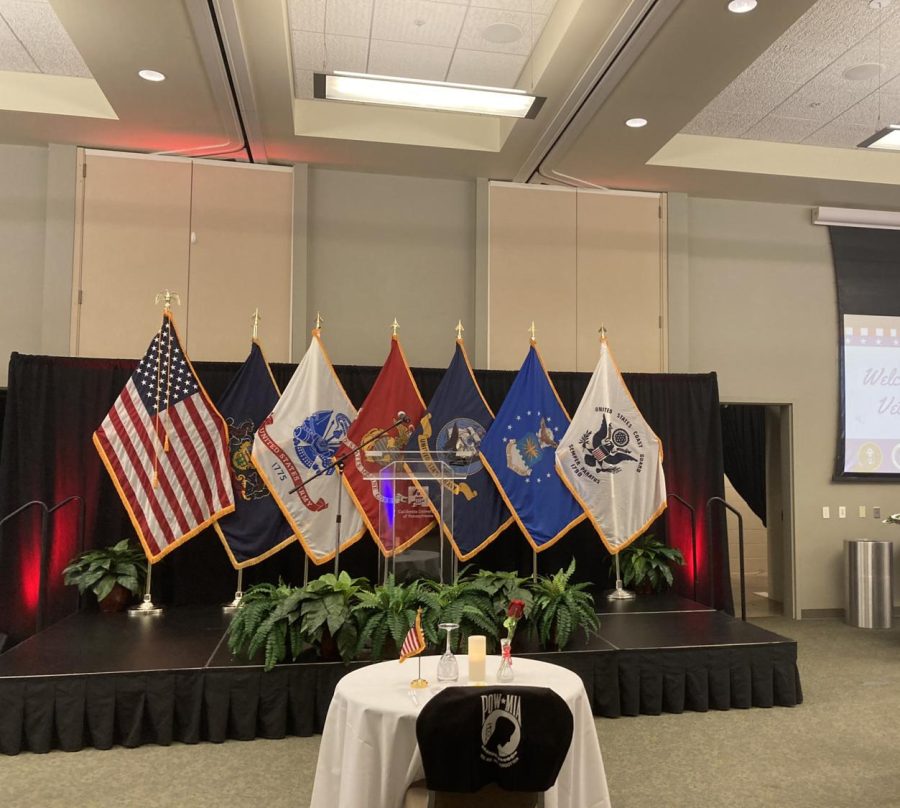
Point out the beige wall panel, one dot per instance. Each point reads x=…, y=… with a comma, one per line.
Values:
x=240, y=260
x=136, y=220
x=619, y=279
x=531, y=275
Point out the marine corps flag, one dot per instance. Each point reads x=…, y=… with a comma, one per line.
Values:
x=256, y=529
x=518, y=453
x=396, y=518
x=165, y=447
x=611, y=460
x=300, y=437
x=456, y=421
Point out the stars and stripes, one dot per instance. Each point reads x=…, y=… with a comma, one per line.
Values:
x=165, y=447
x=415, y=639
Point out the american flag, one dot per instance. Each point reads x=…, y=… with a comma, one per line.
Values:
x=415, y=639
x=165, y=447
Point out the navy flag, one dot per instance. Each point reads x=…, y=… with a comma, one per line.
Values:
x=456, y=421
x=519, y=452
x=257, y=528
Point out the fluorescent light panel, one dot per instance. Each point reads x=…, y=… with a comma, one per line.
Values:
x=888, y=138
x=857, y=217
x=367, y=88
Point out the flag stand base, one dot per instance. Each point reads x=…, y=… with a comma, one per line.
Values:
x=146, y=607
x=418, y=684
x=238, y=594
x=620, y=594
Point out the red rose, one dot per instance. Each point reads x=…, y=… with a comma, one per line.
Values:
x=516, y=609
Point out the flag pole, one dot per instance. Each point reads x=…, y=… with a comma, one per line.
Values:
x=146, y=606
x=305, y=569
x=619, y=593
x=534, y=565
x=238, y=593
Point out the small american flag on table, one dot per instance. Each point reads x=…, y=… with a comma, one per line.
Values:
x=165, y=446
x=415, y=639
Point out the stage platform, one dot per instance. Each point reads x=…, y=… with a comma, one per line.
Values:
x=96, y=680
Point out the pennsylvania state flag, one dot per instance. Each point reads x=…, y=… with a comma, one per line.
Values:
x=256, y=529
x=456, y=421
x=519, y=453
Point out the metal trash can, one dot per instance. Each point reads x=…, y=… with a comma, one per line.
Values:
x=869, y=596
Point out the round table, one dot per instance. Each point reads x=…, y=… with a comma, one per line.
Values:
x=369, y=756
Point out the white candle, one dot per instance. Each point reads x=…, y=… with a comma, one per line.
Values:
x=477, y=650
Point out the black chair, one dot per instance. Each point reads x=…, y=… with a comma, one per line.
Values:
x=493, y=746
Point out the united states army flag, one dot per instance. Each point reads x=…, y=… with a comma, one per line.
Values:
x=301, y=437
x=611, y=460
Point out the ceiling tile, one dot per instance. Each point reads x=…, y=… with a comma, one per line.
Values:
x=490, y=69
x=418, y=21
x=782, y=130
x=818, y=101
x=408, y=60
x=479, y=19
x=307, y=15
x=12, y=55
x=326, y=52
x=349, y=17
x=533, y=6
x=839, y=134
x=720, y=124
x=38, y=28
x=303, y=83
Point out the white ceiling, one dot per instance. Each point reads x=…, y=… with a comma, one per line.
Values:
x=796, y=91
x=441, y=40
x=33, y=40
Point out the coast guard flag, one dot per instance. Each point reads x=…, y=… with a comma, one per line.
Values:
x=395, y=518
x=256, y=529
x=611, y=460
x=455, y=423
x=301, y=436
x=518, y=453
x=165, y=447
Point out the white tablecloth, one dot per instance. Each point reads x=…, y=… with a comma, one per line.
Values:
x=368, y=756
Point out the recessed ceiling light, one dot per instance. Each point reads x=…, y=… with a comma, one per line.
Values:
x=741, y=6
x=636, y=123
x=151, y=75
x=502, y=33
x=863, y=72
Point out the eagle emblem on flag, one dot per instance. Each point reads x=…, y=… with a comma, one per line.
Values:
x=606, y=448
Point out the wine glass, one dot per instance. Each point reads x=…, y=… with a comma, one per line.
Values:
x=448, y=669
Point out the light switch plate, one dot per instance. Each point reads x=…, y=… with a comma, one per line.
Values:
x=826, y=512
x=876, y=512
x=842, y=512
x=862, y=511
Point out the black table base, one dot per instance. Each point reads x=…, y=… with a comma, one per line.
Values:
x=96, y=680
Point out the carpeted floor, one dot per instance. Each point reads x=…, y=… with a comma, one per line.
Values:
x=841, y=748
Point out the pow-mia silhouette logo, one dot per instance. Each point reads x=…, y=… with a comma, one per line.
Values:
x=501, y=728
x=247, y=482
x=319, y=437
x=606, y=448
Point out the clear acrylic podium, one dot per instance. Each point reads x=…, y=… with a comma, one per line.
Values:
x=412, y=541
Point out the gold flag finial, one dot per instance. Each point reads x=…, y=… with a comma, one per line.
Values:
x=319, y=320
x=603, y=332
x=394, y=326
x=459, y=330
x=166, y=297
x=532, y=331
x=255, y=319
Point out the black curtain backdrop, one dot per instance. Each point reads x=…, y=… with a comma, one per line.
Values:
x=867, y=277
x=55, y=403
x=744, y=453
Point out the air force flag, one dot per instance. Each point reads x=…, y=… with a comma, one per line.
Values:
x=256, y=529
x=611, y=460
x=518, y=451
x=453, y=427
x=301, y=437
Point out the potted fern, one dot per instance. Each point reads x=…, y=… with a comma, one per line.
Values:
x=646, y=565
x=560, y=608
x=386, y=613
x=114, y=574
x=326, y=611
x=467, y=601
x=268, y=620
